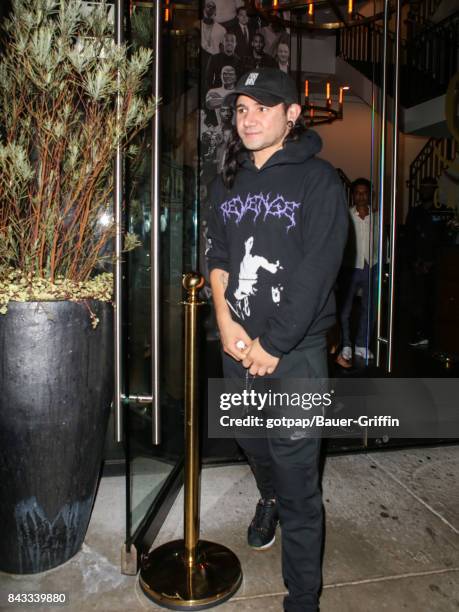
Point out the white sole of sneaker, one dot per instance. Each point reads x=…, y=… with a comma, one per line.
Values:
x=268, y=545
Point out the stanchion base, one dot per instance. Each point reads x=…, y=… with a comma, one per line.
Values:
x=165, y=579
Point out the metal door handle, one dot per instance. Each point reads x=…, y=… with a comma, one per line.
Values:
x=120, y=399
x=393, y=202
x=155, y=237
x=118, y=211
x=393, y=192
x=382, y=172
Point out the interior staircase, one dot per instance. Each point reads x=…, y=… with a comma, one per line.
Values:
x=436, y=156
x=427, y=60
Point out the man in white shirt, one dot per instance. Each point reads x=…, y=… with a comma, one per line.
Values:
x=212, y=33
x=358, y=275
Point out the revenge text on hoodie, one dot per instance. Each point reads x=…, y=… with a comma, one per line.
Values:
x=280, y=234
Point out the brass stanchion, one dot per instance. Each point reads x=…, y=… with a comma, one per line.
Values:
x=191, y=574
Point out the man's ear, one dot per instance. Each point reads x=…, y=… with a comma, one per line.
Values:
x=293, y=112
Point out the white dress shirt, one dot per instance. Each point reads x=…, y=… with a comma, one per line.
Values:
x=362, y=240
x=211, y=37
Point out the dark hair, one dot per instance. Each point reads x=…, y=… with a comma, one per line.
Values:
x=361, y=181
x=241, y=8
x=235, y=148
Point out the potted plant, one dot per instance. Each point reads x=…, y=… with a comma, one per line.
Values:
x=68, y=98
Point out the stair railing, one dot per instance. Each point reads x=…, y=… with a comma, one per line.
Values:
x=430, y=162
x=419, y=15
x=427, y=62
x=434, y=53
x=347, y=184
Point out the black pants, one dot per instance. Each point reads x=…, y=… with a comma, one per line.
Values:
x=289, y=471
x=423, y=303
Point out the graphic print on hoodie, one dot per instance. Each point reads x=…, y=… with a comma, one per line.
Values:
x=280, y=234
x=248, y=277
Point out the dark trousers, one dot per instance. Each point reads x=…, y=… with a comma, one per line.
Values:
x=423, y=303
x=289, y=471
x=350, y=281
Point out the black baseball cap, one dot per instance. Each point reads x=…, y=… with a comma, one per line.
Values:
x=269, y=86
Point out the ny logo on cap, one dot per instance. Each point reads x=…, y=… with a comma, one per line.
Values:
x=253, y=76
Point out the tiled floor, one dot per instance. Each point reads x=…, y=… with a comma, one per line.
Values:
x=392, y=539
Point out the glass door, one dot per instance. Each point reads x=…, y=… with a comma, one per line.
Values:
x=415, y=199
x=161, y=194
x=414, y=291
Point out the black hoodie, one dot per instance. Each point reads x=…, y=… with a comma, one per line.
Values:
x=280, y=234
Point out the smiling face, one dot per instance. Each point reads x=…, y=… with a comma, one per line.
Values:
x=228, y=76
x=283, y=53
x=258, y=44
x=262, y=129
x=229, y=44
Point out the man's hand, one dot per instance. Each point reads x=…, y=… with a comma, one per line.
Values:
x=258, y=360
x=234, y=338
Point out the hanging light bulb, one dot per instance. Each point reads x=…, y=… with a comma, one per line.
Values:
x=275, y=4
x=350, y=7
x=167, y=12
x=341, y=100
x=316, y=114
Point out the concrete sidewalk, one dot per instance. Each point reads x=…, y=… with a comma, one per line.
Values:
x=392, y=539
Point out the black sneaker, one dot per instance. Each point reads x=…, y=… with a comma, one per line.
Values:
x=261, y=533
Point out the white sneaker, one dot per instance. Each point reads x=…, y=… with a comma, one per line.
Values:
x=362, y=351
x=346, y=352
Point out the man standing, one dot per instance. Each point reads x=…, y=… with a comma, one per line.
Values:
x=226, y=58
x=212, y=33
x=358, y=274
x=277, y=229
x=423, y=238
x=258, y=58
x=243, y=33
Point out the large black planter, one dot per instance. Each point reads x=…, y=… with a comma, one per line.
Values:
x=56, y=389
